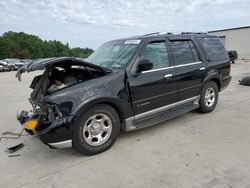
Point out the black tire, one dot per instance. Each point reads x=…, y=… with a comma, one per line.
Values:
x=78, y=140
x=205, y=107
x=12, y=68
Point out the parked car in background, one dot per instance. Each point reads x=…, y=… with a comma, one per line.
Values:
x=11, y=64
x=1, y=68
x=14, y=64
x=126, y=84
x=26, y=61
x=4, y=65
x=19, y=63
x=233, y=55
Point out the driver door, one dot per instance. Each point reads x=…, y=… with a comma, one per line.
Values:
x=153, y=88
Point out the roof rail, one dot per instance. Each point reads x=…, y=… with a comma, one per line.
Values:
x=155, y=33
x=199, y=33
x=158, y=33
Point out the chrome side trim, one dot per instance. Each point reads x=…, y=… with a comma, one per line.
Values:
x=188, y=64
x=171, y=67
x=153, y=70
x=129, y=121
x=168, y=76
x=63, y=144
x=203, y=68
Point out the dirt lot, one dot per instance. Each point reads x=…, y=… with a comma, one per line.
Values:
x=193, y=150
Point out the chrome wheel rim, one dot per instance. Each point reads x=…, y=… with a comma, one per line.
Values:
x=210, y=97
x=97, y=129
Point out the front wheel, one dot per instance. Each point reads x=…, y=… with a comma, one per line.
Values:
x=96, y=130
x=209, y=97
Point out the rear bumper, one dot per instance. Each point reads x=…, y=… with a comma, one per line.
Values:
x=225, y=82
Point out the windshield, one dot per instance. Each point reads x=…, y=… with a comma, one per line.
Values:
x=114, y=55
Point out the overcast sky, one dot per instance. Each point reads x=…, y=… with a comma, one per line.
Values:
x=88, y=23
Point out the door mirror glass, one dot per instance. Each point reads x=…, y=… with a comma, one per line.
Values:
x=145, y=65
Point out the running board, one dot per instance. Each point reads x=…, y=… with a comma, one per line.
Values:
x=170, y=111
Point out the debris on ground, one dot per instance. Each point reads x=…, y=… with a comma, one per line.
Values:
x=14, y=148
x=14, y=135
x=10, y=133
x=245, y=81
x=17, y=155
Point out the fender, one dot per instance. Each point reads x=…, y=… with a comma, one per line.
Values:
x=113, y=101
x=213, y=75
x=66, y=129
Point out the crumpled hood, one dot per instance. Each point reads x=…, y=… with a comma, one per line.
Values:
x=43, y=63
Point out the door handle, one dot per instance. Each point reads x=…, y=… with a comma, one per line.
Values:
x=168, y=76
x=202, y=68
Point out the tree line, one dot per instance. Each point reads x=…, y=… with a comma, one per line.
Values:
x=24, y=46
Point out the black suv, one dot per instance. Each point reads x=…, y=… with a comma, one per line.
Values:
x=125, y=84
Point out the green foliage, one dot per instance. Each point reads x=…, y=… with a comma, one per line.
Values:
x=22, y=45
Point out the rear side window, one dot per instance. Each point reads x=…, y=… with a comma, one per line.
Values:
x=183, y=52
x=213, y=48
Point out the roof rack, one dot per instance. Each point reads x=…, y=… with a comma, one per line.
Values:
x=155, y=33
x=158, y=33
x=170, y=33
x=199, y=33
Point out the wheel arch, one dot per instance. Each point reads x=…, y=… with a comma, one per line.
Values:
x=215, y=77
x=217, y=81
x=113, y=102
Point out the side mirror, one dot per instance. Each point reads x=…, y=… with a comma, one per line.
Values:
x=144, y=65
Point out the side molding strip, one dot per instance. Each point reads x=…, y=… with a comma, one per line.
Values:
x=171, y=67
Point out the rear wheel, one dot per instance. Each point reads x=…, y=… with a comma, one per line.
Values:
x=209, y=97
x=96, y=130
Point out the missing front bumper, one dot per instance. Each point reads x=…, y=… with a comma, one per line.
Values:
x=56, y=134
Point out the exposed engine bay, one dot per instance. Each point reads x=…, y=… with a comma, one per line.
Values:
x=63, y=77
x=60, y=76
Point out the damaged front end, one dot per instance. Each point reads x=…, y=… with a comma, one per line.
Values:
x=55, y=94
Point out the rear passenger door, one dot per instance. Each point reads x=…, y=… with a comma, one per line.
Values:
x=189, y=68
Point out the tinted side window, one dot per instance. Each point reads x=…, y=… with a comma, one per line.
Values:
x=157, y=53
x=213, y=48
x=182, y=52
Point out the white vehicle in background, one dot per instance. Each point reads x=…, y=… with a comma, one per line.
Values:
x=25, y=61
x=4, y=66
x=1, y=68
x=14, y=64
